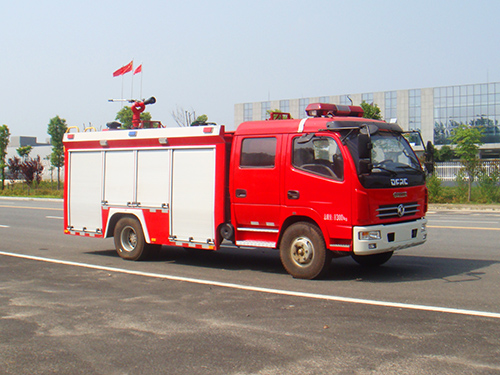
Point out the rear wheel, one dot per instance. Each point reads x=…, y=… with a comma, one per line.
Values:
x=373, y=260
x=303, y=252
x=129, y=239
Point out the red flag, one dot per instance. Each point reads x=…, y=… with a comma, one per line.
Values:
x=138, y=69
x=124, y=69
x=118, y=72
x=128, y=68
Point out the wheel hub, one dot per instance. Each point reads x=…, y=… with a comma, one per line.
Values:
x=129, y=239
x=302, y=251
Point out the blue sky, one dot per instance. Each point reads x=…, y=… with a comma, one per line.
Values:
x=57, y=57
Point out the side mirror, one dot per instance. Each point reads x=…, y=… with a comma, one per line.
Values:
x=365, y=166
x=364, y=146
x=369, y=129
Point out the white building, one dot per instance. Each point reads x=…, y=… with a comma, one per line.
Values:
x=433, y=111
x=38, y=149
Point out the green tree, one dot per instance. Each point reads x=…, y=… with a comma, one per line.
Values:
x=56, y=129
x=124, y=115
x=468, y=140
x=200, y=120
x=445, y=153
x=4, y=142
x=24, y=151
x=371, y=111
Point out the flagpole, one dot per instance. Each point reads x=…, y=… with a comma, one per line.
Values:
x=132, y=84
x=123, y=78
x=141, y=80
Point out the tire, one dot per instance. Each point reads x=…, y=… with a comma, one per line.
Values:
x=373, y=260
x=129, y=239
x=303, y=252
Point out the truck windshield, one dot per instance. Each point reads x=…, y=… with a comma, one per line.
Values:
x=392, y=158
x=391, y=152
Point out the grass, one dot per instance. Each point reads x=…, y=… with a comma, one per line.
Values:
x=46, y=189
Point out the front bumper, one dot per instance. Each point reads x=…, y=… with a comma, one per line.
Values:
x=392, y=237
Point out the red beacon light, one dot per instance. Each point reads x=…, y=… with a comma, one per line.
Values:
x=327, y=109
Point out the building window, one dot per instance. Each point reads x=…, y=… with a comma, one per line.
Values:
x=303, y=103
x=285, y=106
x=391, y=105
x=324, y=99
x=247, y=112
x=264, y=110
x=474, y=105
x=368, y=98
x=344, y=100
x=415, y=109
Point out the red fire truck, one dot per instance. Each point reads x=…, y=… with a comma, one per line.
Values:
x=328, y=185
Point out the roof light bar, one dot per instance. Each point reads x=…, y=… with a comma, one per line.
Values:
x=327, y=109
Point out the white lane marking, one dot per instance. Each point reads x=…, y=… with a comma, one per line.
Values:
x=54, y=217
x=465, y=221
x=4, y=226
x=484, y=314
x=34, y=208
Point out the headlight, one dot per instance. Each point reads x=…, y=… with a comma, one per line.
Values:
x=423, y=227
x=370, y=235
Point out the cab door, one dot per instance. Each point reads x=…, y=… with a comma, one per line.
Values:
x=317, y=185
x=255, y=190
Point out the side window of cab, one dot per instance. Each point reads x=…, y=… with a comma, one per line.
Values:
x=318, y=155
x=258, y=153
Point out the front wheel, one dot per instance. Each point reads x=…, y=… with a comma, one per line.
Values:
x=129, y=239
x=303, y=252
x=373, y=260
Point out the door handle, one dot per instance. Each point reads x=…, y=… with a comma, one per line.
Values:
x=293, y=194
x=241, y=193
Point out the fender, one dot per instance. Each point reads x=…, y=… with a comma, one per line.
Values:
x=127, y=211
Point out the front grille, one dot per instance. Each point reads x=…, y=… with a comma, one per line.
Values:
x=392, y=211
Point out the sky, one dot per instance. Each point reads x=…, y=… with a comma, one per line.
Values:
x=57, y=58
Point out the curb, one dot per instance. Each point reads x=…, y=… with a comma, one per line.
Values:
x=464, y=207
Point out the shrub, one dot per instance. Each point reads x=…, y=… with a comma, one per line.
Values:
x=435, y=189
x=488, y=184
x=462, y=187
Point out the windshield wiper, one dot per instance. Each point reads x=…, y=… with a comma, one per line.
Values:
x=392, y=172
x=410, y=167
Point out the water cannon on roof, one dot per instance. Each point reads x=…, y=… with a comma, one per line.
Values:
x=137, y=107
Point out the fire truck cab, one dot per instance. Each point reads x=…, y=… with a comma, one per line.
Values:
x=328, y=185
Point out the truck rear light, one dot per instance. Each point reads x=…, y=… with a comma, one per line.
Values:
x=208, y=130
x=370, y=235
